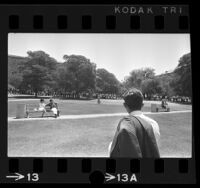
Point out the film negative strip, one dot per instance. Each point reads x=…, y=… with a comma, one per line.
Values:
x=19, y=161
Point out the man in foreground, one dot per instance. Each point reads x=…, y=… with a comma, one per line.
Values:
x=137, y=135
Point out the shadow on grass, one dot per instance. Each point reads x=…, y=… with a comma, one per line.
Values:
x=34, y=117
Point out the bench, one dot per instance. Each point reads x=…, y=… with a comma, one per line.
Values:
x=158, y=107
x=33, y=108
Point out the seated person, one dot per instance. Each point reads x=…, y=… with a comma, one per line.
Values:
x=164, y=104
x=42, y=107
x=53, y=107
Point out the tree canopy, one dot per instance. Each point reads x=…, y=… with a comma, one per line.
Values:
x=107, y=82
x=137, y=76
x=151, y=87
x=39, y=71
x=77, y=74
x=182, y=82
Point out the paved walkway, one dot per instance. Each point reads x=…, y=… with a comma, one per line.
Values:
x=83, y=116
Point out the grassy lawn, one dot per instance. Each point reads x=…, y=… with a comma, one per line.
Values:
x=74, y=107
x=91, y=137
x=176, y=134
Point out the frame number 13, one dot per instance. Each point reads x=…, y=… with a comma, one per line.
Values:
x=33, y=177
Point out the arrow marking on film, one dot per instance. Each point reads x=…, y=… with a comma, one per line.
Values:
x=17, y=176
x=109, y=177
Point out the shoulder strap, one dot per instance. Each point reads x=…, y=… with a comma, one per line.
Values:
x=150, y=145
x=125, y=142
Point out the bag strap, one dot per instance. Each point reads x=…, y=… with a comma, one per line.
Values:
x=151, y=141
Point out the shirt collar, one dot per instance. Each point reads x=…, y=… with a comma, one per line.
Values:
x=136, y=113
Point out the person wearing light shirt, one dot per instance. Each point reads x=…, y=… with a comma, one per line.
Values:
x=137, y=136
x=152, y=122
x=41, y=107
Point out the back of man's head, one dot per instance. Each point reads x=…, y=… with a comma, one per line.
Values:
x=133, y=98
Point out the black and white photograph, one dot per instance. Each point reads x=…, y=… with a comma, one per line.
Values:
x=107, y=95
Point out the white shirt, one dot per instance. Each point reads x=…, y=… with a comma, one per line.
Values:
x=41, y=105
x=152, y=122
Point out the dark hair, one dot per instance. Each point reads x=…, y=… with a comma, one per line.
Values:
x=134, y=99
x=41, y=100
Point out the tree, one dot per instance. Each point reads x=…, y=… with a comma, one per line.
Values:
x=137, y=76
x=165, y=83
x=15, y=76
x=151, y=87
x=77, y=74
x=47, y=60
x=15, y=79
x=182, y=82
x=38, y=72
x=107, y=82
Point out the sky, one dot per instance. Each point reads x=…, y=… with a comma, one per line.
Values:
x=117, y=53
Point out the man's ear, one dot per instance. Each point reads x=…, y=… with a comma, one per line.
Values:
x=126, y=107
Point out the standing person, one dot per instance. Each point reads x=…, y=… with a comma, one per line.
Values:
x=98, y=100
x=137, y=135
x=53, y=107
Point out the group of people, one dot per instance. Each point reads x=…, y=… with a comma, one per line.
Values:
x=176, y=99
x=179, y=99
x=108, y=96
x=51, y=106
